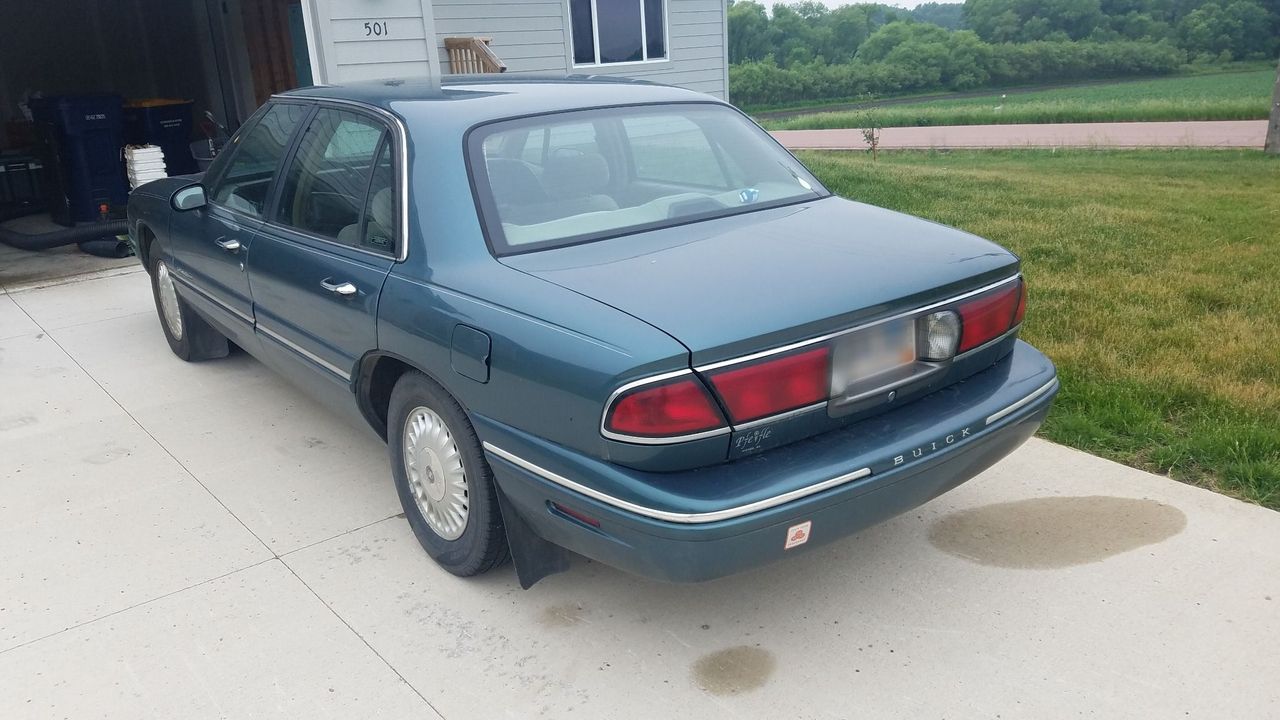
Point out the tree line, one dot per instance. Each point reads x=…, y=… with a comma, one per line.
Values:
x=805, y=51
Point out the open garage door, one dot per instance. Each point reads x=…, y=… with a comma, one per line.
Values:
x=80, y=80
x=227, y=56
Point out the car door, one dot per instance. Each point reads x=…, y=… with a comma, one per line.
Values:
x=320, y=259
x=210, y=246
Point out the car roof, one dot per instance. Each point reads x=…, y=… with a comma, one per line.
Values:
x=478, y=98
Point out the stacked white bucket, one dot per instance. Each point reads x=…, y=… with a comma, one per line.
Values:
x=145, y=163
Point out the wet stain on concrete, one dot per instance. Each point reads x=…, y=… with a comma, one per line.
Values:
x=562, y=615
x=734, y=670
x=110, y=453
x=13, y=422
x=1055, y=532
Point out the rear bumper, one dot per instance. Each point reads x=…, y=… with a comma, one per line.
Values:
x=711, y=522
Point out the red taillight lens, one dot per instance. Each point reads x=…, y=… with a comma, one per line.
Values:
x=774, y=386
x=1021, y=312
x=988, y=316
x=677, y=408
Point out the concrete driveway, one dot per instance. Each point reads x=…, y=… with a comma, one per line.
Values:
x=202, y=541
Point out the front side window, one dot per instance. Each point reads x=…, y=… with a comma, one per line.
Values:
x=243, y=184
x=326, y=188
x=572, y=177
x=618, y=31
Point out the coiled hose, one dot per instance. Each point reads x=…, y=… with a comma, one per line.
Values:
x=96, y=239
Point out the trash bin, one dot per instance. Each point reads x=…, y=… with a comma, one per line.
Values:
x=80, y=138
x=166, y=123
x=20, y=180
x=206, y=150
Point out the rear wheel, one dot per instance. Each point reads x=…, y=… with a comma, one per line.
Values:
x=445, y=484
x=189, y=336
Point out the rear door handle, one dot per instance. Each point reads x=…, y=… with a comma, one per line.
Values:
x=231, y=246
x=344, y=289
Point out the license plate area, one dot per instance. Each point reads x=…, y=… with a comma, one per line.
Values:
x=870, y=364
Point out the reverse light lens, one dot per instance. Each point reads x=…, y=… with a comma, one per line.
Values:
x=938, y=335
x=774, y=386
x=988, y=316
x=678, y=408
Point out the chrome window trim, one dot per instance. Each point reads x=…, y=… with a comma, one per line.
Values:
x=402, y=153
x=193, y=287
x=641, y=440
x=304, y=352
x=1023, y=402
x=675, y=517
x=775, y=351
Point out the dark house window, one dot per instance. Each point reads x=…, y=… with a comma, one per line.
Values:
x=618, y=31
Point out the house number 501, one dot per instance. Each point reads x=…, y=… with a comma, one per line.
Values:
x=376, y=29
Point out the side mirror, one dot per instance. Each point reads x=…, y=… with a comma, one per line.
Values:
x=189, y=198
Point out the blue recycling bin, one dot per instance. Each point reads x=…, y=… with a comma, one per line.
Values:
x=81, y=141
x=166, y=123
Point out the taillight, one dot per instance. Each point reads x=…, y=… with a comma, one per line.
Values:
x=671, y=409
x=989, y=315
x=1021, y=312
x=774, y=386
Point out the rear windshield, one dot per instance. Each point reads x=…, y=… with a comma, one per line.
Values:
x=573, y=177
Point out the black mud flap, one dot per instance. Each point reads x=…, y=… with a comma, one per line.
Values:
x=534, y=557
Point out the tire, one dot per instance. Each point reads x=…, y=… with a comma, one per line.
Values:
x=447, y=464
x=189, y=336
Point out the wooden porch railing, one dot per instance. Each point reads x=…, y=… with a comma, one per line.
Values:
x=470, y=55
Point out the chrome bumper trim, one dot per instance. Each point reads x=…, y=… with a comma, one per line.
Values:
x=1023, y=402
x=684, y=518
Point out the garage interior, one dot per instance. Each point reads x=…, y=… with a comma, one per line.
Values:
x=175, y=59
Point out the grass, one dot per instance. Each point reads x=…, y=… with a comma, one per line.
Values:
x=1226, y=96
x=1155, y=287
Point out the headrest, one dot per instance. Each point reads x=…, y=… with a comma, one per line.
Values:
x=513, y=183
x=382, y=209
x=576, y=175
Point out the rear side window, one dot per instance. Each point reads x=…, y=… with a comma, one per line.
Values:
x=379, y=222
x=243, y=185
x=326, y=188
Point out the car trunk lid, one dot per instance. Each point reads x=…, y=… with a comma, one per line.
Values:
x=733, y=286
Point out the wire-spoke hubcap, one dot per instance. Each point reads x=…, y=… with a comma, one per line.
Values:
x=436, y=476
x=169, y=301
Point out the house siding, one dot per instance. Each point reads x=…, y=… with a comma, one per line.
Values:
x=346, y=52
x=531, y=36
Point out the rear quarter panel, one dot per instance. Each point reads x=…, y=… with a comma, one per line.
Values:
x=555, y=356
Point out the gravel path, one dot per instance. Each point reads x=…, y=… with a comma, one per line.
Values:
x=1211, y=134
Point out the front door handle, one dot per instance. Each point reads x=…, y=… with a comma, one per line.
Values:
x=344, y=289
x=231, y=246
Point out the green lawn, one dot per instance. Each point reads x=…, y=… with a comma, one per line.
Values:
x=1155, y=287
x=1227, y=96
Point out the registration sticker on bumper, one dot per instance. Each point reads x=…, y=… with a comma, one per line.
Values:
x=798, y=534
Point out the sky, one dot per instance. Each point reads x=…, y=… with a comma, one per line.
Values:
x=908, y=4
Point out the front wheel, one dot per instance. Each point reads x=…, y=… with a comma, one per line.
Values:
x=445, y=485
x=189, y=336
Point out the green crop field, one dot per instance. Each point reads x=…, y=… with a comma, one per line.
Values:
x=1153, y=278
x=1226, y=96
